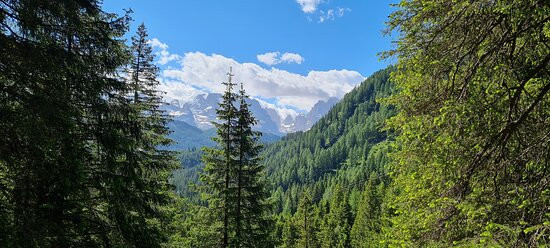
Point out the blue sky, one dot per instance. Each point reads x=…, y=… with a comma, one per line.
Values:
x=315, y=41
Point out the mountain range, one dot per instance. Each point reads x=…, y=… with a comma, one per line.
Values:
x=200, y=112
x=344, y=147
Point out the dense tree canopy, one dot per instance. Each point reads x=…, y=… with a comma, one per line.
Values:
x=79, y=160
x=449, y=147
x=473, y=151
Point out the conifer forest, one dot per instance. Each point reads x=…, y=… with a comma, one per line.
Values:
x=447, y=145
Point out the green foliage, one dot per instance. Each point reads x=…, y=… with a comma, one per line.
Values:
x=335, y=230
x=320, y=175
x=79, y=164
x=463, y=163
x=233, y=184
x=366, y=230
x=336, y=150
x=140, y=185
x=305, y=219
x=186, y=179
x=471, y=161
x=220, y=163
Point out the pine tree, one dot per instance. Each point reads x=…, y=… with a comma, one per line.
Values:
x=140, y=187
x=234, y=188
x=220, y=163
x=367, y=224
x=305, y=222
x=59, y=64
x=337, y=226
x=289, y=237
x=252, y=225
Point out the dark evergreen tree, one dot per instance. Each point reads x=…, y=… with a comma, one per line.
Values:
x=289, y=235
x=140, y=178
x=305, y=223
x=253, y=226
x=367, y=225
x=336, y=229
x=58, y=66
x=79, y=160
x=233, y=176
x=220, y=162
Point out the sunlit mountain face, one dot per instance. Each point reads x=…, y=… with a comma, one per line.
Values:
x=200, y=112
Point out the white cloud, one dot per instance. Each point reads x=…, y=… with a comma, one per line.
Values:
x=292, y=58
x=331, y=14
x=268, y=58
x=308, y=6
x=203, y=72
x=282, y=112
x=323, y=13
x=155, y=43
x=164, y=57
x=273, y=58
x=177, y=90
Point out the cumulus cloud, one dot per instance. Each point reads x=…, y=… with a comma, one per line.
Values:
x=205, y=73
x=164, y=56
x=155, y=43
x=273, y=58
x=178, y=90
x=268, y=58
x=292, y=58
x=308, y=6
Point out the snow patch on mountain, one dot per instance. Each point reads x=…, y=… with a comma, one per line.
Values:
x=200, y=112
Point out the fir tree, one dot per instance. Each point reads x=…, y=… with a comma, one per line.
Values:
x=234, y=188
x=59, y=64
x=305, y=222
x=141, y=187
x=289, y=237
x=252, y=225
x=366, y=226
x=220, y=163
x=337, y=227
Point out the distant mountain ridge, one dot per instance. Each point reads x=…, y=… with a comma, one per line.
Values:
x=200, y=112
x=343, y=148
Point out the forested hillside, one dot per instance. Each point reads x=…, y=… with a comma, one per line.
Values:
x=186, y=136
x=449, y=147
x=325, y=171
x=344, y=147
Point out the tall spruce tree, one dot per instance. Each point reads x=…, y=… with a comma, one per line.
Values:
x=78, y=158
x=289, y=233
x=141, y=185
x=252, y=225
x=233, y=181
x=305, y=223
x=220, y=163
x=336, y=229
x=58, y=65
x=367, y=225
